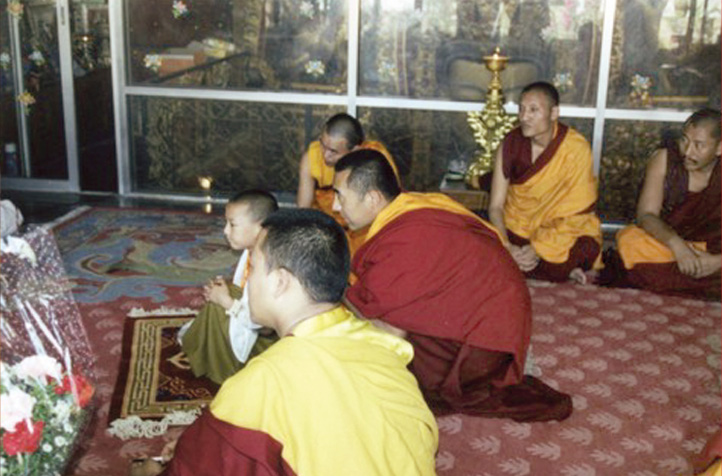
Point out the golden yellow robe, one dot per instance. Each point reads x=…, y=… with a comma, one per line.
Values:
x=338, y=396
x=552, y=208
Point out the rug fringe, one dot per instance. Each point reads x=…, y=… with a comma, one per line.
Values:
x=135, y=427
x=162, y=311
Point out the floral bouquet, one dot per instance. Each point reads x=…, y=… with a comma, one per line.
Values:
x=46, y=365
x=41, y=413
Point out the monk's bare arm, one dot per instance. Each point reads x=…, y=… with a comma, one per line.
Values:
x=377, y=322
x=306, y=183
x=499, y=188
x=650, y=207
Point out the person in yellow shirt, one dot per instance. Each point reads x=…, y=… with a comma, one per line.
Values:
x=544, y=192
x=333, y=396
x=341, y=134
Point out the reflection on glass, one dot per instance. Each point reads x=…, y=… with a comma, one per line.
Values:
x=666, y=54
x=241, y=44
x=231, y=145
x=93, y=95
x=39, y=136
x=424, y=144
x=9, y=136
x=627, y=146
x=433, y=49
x=427, y=144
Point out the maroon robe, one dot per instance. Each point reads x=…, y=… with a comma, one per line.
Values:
x=695, y=216
x=518, y=168
x=212, y=447
x=447, y=280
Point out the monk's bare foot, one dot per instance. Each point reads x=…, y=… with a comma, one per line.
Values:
x=577, y=275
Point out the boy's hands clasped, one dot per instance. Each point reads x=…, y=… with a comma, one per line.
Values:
x=216, y=291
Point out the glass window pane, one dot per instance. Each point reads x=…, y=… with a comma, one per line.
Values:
x=666, y=54
x=9, y=134
x=37, y=104
x=278, y=45
x=239, y=145
x=93, y=95
x=423, y=143
x=626, y=149
x=433, y=48
x=426, y=144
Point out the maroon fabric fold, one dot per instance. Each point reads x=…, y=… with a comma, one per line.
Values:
x=212, y=447
x=447, y=280
x=516, y=154
x=695, y=216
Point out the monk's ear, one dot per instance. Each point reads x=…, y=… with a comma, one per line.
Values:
x=719, y=148
x=555, y=113
x=375, y=198
x=281, y=280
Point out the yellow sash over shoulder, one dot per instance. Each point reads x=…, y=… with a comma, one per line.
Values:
x=410, y=201
x=323, y=174
x=552, y=209
x=338, y=396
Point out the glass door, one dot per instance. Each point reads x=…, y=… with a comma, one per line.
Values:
x=37, y=126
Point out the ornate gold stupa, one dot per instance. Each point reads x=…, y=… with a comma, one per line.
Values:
x=490, y=125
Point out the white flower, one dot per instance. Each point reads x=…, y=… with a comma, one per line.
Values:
x=47, y=447
x=37, y=58
x=152, y=62
x=38, y=367
x=15, y=406
x=179, y=8
x=20, y=247
x=60, y=441
x=315, y=68
x=306, y=9
x=61, y=412
x=4, y=60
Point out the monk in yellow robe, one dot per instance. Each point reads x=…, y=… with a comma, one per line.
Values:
x=332, y=397
x=544, y=192
x=675, y=246
x=341, y=134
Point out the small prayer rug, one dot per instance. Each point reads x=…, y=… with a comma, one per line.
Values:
x=154, y=378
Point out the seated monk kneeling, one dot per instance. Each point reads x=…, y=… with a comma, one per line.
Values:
x=675, y=246
x=439, y=275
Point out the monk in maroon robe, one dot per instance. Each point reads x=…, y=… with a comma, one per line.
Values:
x=675, y=246
x=439, y=275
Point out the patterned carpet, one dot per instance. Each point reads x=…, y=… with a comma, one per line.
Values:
x=644, y=374
x=644, y=370
x=155, y=378
x=124, y=259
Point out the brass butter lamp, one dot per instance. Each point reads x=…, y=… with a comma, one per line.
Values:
x=492, y=123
